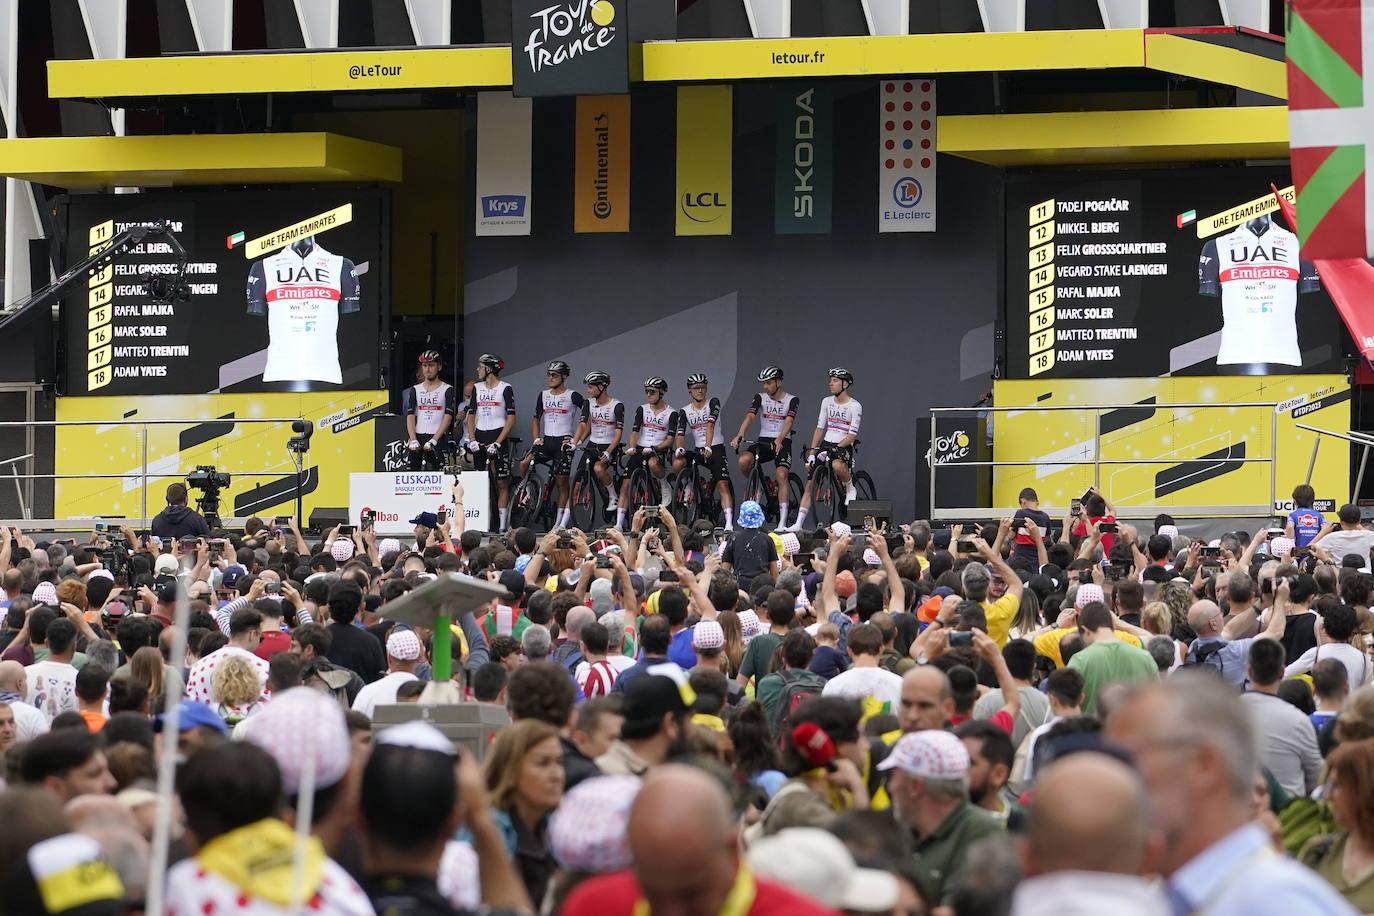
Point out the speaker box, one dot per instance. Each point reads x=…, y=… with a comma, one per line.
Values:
x=326, y=517
x=467, y=725
x=880, y=509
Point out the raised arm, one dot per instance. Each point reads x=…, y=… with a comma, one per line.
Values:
x=1011, y=696
x=830, y=601
x=896, y=601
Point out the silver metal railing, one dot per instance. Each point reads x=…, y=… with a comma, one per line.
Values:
x=1354, y=437
x=1097, y=461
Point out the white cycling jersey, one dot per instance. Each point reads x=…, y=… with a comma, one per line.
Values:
x=428, y=406
x=302, y=295
x=698, y=418
x=558, y=413
x=654, y=427
x=773, y=413
x=839, y=420
x=605, y=420
x=491, y=406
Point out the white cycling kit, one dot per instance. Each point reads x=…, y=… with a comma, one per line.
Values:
x=302, y=296
x=839, y=420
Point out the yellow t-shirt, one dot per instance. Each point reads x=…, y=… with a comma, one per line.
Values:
x=1047, y=644
x=1000, y=614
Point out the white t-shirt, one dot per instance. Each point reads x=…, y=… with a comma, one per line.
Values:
x=52, y=688
x=857, y=683
x=1356, y=662
x=1340, y=543
x=381, y=692
x=29, y=722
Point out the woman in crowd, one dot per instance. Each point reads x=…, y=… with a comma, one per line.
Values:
x=1158, y=618
x=1028, y=617
x=146, y=670
x=524, y=775
x=734, y=640
x=236, y=690
x=1346, y=858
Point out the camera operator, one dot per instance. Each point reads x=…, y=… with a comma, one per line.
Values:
x=177, y=520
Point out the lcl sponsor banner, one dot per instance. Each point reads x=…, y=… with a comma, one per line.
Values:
x=601, y=199
x=705, y=144
x=906, y=155
x=804, y=183
x=394, y=498
x=570, y=47
x=504, y=126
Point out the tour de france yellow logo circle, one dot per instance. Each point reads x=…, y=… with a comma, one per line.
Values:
x=603, y=13
x=961, y=440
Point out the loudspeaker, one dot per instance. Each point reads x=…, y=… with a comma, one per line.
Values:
x=326, y=517
x=859, y=509
x=467, y=725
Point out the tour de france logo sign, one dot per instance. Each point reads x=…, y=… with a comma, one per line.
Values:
x=572, y=47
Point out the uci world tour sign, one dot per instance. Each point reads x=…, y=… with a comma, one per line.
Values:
x=570, y=47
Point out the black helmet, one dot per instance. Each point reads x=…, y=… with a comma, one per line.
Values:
x=842, y=374
x=491, y=361
x=769, y=372
x=430, y=356
x=697, y=378
x=654, y=381
x=560, y=367
x=596, y=377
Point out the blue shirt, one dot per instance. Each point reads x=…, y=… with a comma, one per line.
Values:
x=1232, y=659
x=1307, y=524
x=680, y=651
x=1241, y=875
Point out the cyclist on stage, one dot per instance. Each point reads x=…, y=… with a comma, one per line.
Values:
x=838, y=428
x=603, y=425
x=777, y=411
x=491, y=420
x=429, y=408
x=651, y=435
x=701, y=420
x=557, y=418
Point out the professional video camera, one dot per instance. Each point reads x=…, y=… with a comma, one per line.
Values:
x=210, y=481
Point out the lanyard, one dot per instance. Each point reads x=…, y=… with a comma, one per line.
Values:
x=737, y=903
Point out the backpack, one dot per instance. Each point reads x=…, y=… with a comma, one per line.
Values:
x=797, y=688
x=1202, y=655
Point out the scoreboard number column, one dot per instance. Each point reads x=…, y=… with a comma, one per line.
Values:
x=1040, y=248
x=100, y=338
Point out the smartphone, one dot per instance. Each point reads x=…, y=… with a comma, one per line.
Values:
x=101, y=527
x=859, y=541
x=366, y=521
x=1087, y=495
x=188, y=541
x=1210, y=553
x=603, y=562
x=442, y=515
x=346, y=531
x=1076, y=507
x=969, y=528
x=1107, y=528
x=1115, y=573
x=564, y=541
x=272, y=588
x=966, y=547
x=960, y=639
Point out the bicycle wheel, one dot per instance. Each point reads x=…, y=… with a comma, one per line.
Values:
x=755, y=489
x=863, y=486
x=527, y=502
x=824, y=499
x=585, y=499
x=794, y=491
x=640, y=491
x=686, y=497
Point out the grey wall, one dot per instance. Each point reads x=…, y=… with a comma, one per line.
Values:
x=911, y=315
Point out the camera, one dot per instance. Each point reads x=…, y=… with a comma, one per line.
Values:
x=960, y=639
x=564, y=541
x=209, y=481
x=1115, y=573
x=1107, y=528
x=603, y=562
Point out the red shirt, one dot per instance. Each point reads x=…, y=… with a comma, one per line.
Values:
x=1108, y=540
x=271, y=644
x=1000, y=718
x=616, y=895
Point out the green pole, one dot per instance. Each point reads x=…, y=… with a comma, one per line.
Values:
x=442, y=662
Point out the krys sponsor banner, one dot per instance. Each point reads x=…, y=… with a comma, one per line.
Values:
x=906, y=156
x=503, y=164
x=601, y=199
x=573, y=47
x=805, y=179
x=394, y=498
x=704, y=170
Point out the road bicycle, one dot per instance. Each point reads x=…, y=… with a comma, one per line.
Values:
x=827, y=493
x=645, y=489
x=694, y=492
x=762, y=488
x=509, y=448
x=532, y=501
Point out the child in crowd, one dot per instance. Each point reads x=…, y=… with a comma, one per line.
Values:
x=828, y=660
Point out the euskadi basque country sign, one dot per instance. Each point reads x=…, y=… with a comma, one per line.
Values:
x=570, y=47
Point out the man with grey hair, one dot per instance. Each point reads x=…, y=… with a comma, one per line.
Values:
x=534, y=642
x=1164, y=651
x=1217, y=647
x=1197, y=752
x=929, y=791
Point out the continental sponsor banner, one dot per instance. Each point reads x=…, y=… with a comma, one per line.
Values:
x=906, y=155
x=570, y=47
x=504, y=127
x=804, y=183
x=275, y=241
x=705, y=145
x=601, y=197
x=253, y=454
x=1199, y=456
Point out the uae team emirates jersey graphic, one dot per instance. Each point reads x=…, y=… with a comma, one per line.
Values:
x=1256, y=271
x=302, y=295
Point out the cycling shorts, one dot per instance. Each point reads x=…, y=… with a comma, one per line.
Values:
x=553, y=452
x=843, y=452
x=636, y=460
x=500, y=463
x=715, y=463
x=766, y=450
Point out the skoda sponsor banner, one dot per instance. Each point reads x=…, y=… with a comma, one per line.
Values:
x=906, y=155
x=804, y=182
x=705, y=145
x=394, y=498
x=504, y=126
x=570, y=47
x=601, y=196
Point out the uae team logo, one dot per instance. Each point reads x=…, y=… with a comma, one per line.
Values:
x=576, y=47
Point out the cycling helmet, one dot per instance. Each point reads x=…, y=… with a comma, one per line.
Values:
x=430, y=356
x=696, y=378
x=769, y=372
x=596, y=377
x=654, y=381
x=560, y=367
x=491, y=361
x=842, y=374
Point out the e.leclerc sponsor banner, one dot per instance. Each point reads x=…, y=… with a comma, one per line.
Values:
x=570, y=47
x=705, y=144
x=804, y=175
x=601, y=199
x=906, y=155
x=504, y=125
x=394, y=498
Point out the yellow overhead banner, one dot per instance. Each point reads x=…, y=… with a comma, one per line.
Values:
x=705, y=145
x=275, y=241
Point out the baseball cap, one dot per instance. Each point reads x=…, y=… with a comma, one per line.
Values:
x=1088, y=592
x=300, y=725
x=929, y=754
x=840, y=529
x=588, y=832
x=389, y=545
x=166, y=565
x=1168, y=530
x=428, y=519
x=232, y=576
x=403, y=645
x=101, y=573
x=167, y=594
x=341, y=550
x=817, y=864
x=66, y=874
x=749, y=625
x=750, y=514
x=193, y=714
x=871, y=557
x=600, y=594
x=513, y=583
x=791, y=544
x=1281, y=547
x=707, y=634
